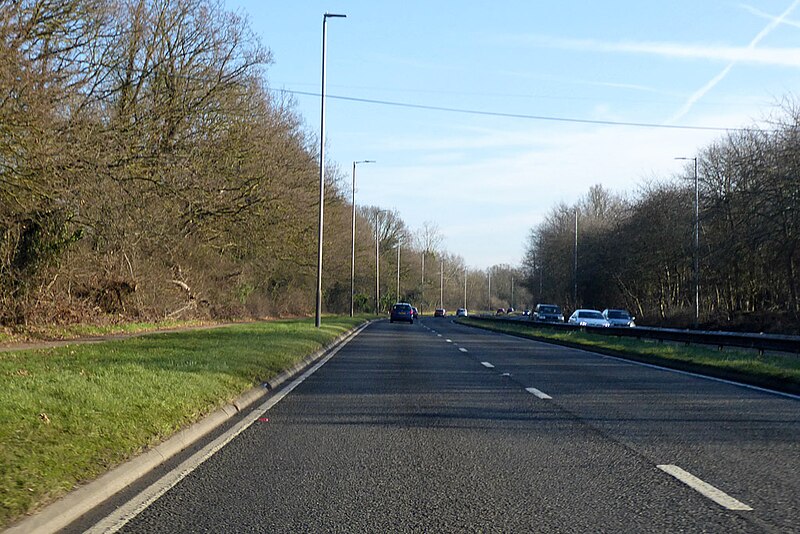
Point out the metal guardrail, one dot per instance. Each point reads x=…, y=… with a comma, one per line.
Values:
x=760, y=342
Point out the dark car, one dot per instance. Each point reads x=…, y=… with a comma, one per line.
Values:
x=401, y=312
x=619, y=317
x=548, y=313
x=500, y=311
x=439, y=312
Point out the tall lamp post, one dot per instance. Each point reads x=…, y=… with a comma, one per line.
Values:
x=575, y=282
x=318, y=310
x=398, y=272
x=696, y=243
x=377, y=263
x=353, y=253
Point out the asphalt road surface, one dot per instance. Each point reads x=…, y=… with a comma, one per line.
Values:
x=436, y=427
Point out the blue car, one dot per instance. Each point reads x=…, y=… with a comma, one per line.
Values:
x=401, y=312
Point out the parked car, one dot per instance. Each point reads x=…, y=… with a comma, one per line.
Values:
x=415, y=312
x=619, y=317
x=461, y=312
x=439, y=312
x=500, y=311
x=401, y=311
x=585, y=317
x=547, y=313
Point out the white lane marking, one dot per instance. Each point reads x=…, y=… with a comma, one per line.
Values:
x=506, y=374
x=462, y=349
x=125, y=513
x=538, y=393
x=439, y=335
x=449, y=340
x=716, y=495
x=487, y=365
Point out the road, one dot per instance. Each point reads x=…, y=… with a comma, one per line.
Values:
x=436, y=427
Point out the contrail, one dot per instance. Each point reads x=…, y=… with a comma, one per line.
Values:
x=700, y=93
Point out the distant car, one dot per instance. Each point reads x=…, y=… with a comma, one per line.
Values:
x=526, y=312
x=585, y=317
x=547, y=313
x=619, y=317
x=415, y=312
x=500, y=311
x=461, y=312
x=401, y=311
x=510, y=310
x=439, y=312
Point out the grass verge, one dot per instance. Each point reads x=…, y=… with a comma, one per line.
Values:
x=69, y=414
x=781, y=373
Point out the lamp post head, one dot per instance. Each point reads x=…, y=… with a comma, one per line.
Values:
x=333, y=15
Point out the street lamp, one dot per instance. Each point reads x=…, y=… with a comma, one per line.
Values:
x=318, y=308
x=398, y=272
x=696, y=243
x=377, y=263
x=353, y=255
x=575, y=282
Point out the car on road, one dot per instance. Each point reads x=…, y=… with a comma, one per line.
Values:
x=619, y=317
x=500, y=311
x=439, y=312
x=547, y=313
x=415, y=312
x=401, y=311
x=461, y=312
x=526, y=312
x=585, y=317
x=510, y=310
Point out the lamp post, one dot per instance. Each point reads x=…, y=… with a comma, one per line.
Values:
x=377, y=263
x=318, y=308
x=353, y=253
x=465, y=288
x=398, y=272
x=575, y=286
x=696, y=243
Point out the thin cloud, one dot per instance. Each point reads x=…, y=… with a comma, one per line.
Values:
x=784, y=57
x=775, y=22
x=757, y=12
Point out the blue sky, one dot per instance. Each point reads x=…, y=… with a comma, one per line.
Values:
x=486, y=180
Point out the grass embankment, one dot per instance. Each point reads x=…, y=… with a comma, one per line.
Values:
x=69, y=414
x=775, y=372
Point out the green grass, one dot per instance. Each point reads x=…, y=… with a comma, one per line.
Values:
x=69, y=414
x=779, y=372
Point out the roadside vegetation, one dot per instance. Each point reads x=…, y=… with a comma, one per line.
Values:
x=638, y=251
x=69, y=414
x=774, y=371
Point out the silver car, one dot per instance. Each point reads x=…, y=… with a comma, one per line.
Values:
x=585, y=317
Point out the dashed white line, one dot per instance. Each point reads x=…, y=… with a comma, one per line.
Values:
x=439, y=335
x=449, y=340
x=538, y=393
x=487, y=365
x=462, y=349
x=706, y=489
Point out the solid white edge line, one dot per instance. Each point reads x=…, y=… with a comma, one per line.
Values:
x=538, y=393
x=704, y=488
x=128, y=511
x=487, y=365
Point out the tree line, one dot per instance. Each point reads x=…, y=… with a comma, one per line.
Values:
x=147, y=171
x=639, y=251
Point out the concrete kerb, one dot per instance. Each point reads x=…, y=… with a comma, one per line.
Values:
x=64, y=511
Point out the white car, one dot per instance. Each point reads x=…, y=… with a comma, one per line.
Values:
x=584, y=317
x=462, y=312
